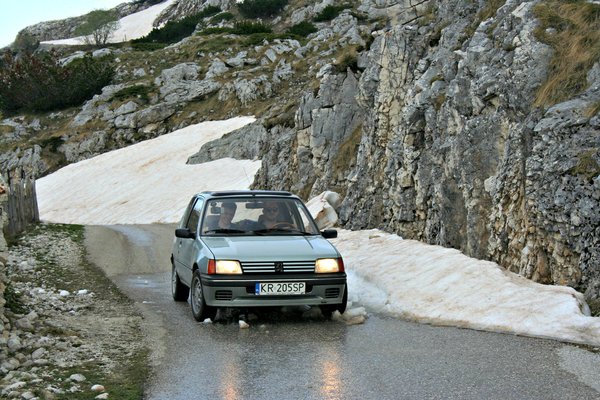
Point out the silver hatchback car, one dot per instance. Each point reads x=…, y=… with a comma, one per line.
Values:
x=251, y=249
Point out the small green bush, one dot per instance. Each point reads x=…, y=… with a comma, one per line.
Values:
x=224, y=16
x=40, y=83
x=143, y=46
x=330, y=12
x=249, y=27
x=261, y=8
x=13, y=301
x=174, y=31
x=141, y=92
x=215, y=31
x=148, y=2
x=302, y=29
x=208, y=12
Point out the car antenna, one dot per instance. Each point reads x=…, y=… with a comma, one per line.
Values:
x=247, y=177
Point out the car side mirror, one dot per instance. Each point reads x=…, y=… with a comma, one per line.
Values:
x=329, y=233
x=184, y=233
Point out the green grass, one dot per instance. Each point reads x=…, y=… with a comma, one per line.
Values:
x=124, y=383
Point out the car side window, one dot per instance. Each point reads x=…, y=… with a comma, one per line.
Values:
x=194, y=219
x=186, y=214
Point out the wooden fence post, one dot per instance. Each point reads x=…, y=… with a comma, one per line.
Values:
x=22, y=207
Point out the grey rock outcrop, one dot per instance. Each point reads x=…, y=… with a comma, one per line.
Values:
x=241, y=144
x=29, y=161
x=443, y=144
x=316, y=155
x=91, y=146
x=180, y=83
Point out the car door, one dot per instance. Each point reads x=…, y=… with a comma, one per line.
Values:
x=188, y=248
x=177, y=242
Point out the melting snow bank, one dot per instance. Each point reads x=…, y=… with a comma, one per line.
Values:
x=131, y=27
x=148, y=182
x=441, y=286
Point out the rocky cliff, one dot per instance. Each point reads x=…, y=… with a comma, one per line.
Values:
x=436, y=137
x=425, y=116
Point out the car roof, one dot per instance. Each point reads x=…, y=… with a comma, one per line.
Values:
x=244, y=193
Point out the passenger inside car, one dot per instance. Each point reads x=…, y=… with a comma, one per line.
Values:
x=222, y=220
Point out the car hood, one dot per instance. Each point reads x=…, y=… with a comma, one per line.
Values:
x=270, y=248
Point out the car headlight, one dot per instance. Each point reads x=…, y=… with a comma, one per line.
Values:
x=329, y=265
x=229, y=267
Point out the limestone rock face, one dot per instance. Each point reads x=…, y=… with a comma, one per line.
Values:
x=318, y=154
x=436, y=138
x=241, y=144
x=181, y=83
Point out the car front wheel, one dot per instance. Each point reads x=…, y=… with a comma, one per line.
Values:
x=200, y=309
x=179, y=290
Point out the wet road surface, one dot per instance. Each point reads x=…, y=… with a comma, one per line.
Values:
x=295, y=354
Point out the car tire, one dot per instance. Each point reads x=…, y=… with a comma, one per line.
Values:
x=200, y=310
x=178, y=289
x=329, y=309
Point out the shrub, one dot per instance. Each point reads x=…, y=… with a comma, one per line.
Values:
x=40, y=83
x=143, y=46
x=249, y=27
x=98, y=27
x=224, y=16
x=26, y=42
x=302, y=29
x=137, y=91
x=261, y=8
x=148, y=2
x=215, y=31
x=329, y=13
x=174, y=31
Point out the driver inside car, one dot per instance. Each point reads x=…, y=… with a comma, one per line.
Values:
x=270, y=215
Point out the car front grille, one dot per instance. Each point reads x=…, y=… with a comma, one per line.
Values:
x=273, y=266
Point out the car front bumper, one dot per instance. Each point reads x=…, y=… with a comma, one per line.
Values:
x=238, y=291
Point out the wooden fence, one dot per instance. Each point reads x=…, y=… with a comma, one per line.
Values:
x=21, y=205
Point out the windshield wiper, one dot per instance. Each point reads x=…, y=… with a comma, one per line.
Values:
x=224, y=231
x=282, y=230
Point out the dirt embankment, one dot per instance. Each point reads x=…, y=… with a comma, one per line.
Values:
x=68, y=332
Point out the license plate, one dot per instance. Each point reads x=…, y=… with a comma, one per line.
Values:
x=279, y=288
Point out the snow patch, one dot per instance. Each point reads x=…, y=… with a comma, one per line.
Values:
x=148, y=182
x=133, y=26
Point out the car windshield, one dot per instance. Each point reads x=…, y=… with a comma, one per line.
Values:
x=257, y=216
